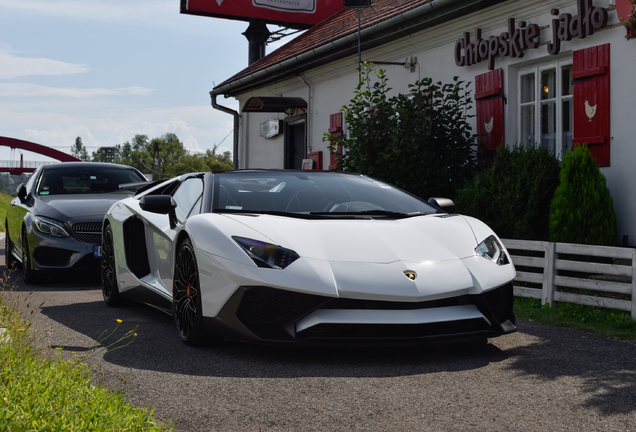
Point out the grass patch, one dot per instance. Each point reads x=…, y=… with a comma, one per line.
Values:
x=44, y=392
x=605, y=322
x=5, y=202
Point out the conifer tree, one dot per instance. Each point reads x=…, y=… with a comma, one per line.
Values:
x=582, y=208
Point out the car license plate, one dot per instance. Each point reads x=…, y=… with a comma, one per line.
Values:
x=97, y=251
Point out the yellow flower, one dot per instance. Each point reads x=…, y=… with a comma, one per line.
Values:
x=135, y=335
x=119, y=321
x=20, y=329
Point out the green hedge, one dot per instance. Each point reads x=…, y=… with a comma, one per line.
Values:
x=513, y=195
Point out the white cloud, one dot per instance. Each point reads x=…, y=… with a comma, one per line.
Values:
x=151, y=13
x=126, y=131
x=101, y=10
x=136, y=91
x=35, y=90
x=13, y=66
x=99, y=124
x=58, y=134
x=164, y=14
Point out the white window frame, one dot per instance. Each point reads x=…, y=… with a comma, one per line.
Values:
x=559, y=99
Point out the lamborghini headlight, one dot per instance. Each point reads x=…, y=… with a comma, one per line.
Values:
x=492, y=250
x=267, y=255
x=50, y=226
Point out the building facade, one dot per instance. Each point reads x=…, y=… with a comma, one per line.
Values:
x=550, y=73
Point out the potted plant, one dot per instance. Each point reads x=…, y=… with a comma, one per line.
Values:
x=626, y=10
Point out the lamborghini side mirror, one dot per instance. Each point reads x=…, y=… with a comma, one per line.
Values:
x=160, y=204
x=445, y=204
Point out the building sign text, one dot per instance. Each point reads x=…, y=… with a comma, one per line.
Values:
x=518, y=39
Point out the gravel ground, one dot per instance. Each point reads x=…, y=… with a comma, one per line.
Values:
x=541, y=378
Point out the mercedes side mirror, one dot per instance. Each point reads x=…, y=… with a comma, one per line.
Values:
x=22, y=193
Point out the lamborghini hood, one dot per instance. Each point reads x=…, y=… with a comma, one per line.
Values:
x=416, y=239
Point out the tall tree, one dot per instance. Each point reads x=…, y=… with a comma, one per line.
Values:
x=218, y=162
x=136, y=153
x=166, y=156
x=78, y=150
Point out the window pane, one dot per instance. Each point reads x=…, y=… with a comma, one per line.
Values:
x=548, y=84
x=566, y=121
x=186, y=196
x=527, y=88
x=548, y=126
x=566, y=80
x=90, y=180
x=527, y=125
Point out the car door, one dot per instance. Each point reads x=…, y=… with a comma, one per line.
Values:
x=161, y=234
x=20, y=207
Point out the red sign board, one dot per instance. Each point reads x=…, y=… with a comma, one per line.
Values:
x=289, y=13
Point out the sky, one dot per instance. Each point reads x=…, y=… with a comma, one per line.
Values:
x=106, y=70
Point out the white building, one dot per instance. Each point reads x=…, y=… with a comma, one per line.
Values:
x=553, y=72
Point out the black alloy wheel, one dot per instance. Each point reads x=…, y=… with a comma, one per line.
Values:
x=9, y=260
x=186, y=296
x=29, y=276
x=110, y=291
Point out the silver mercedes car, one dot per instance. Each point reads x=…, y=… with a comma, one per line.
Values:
x=55, y=222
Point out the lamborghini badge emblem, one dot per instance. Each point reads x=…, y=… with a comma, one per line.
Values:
x=410, y=274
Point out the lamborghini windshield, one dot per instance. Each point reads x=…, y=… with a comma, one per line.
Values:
x=312, y=193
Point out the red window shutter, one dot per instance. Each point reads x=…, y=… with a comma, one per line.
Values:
x=591, y=109
x=490, y=114
x=335, y=129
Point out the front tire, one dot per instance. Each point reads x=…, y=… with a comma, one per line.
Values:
x=9, y=260
x=110, y=292
x=29, y=276
x=186, y=296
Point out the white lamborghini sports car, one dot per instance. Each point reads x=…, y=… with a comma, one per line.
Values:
x=306, y=257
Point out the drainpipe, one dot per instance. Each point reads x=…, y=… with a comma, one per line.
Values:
x=310, y=121
x=237, y=116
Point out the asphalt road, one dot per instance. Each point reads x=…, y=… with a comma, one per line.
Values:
x=538, y=379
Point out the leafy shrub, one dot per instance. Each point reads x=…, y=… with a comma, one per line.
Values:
x=420, y=142
x=513, y=195
x=582, y=208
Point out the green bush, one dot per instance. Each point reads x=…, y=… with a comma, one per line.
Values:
x=513, y=195
x=582, y=209
x=420, y=142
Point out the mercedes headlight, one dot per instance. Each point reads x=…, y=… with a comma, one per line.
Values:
x=50, y=226
x=267, y=255
x=491, y=249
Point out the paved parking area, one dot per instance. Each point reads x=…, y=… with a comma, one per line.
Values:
x=541, y=378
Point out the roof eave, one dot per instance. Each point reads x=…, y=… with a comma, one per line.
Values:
x=328, y=52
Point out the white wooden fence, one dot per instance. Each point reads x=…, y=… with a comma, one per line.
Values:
x=544, y=274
